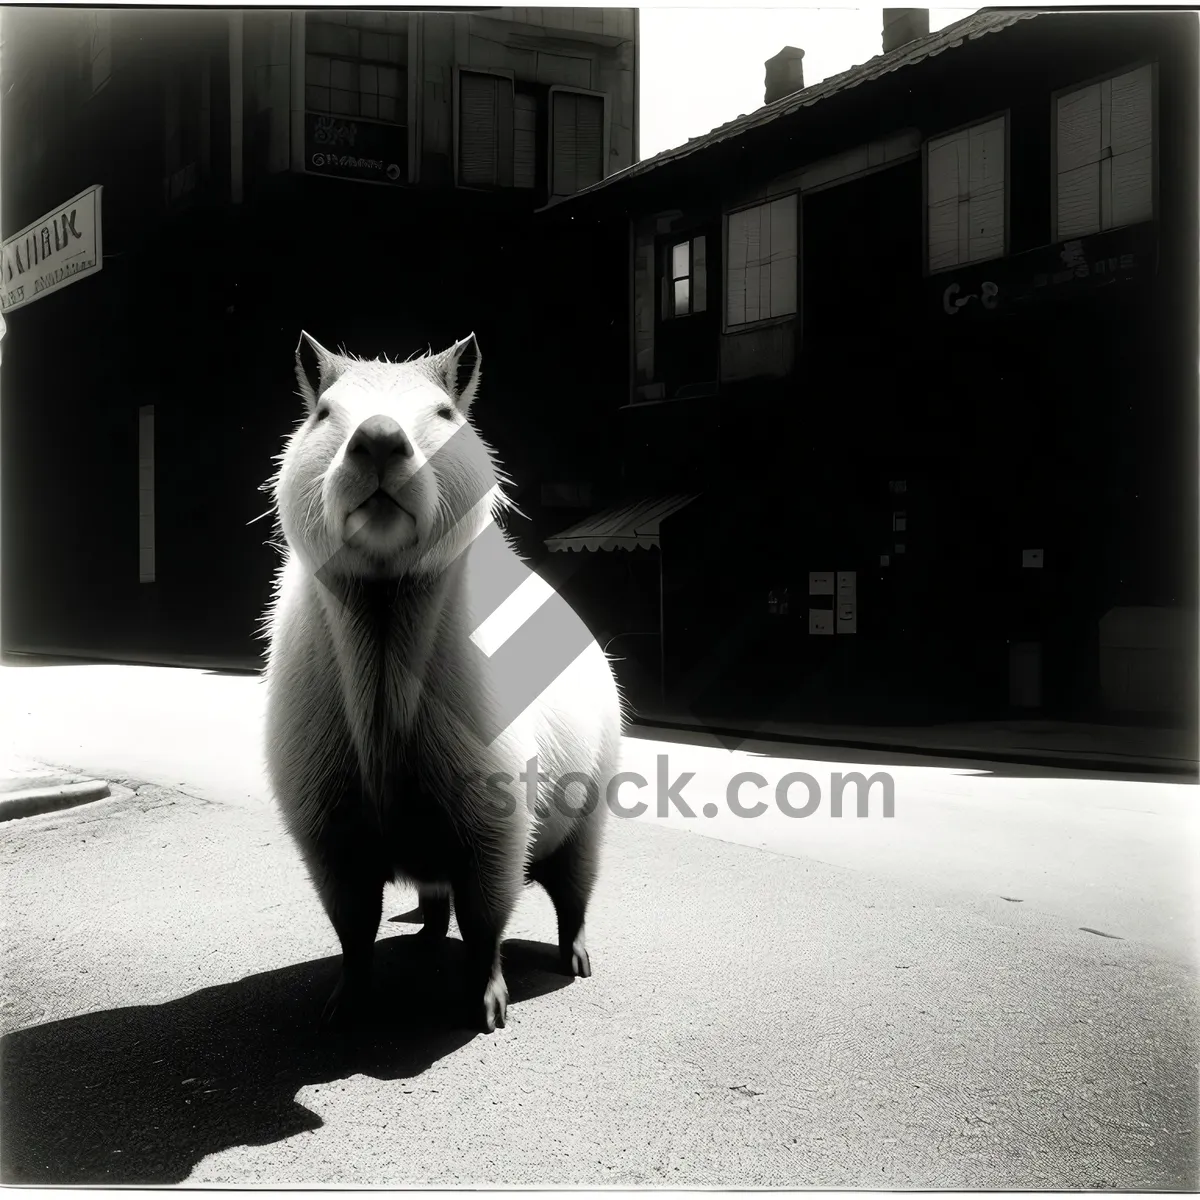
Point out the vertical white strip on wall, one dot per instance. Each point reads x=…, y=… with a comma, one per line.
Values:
x=236, y=94
x=146, y=494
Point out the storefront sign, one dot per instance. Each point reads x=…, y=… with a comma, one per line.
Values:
x=58, y=250
x=349, y=148
x=1084, y=266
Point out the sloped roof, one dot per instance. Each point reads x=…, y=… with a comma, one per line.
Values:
x=629, y=528
x=952, y=36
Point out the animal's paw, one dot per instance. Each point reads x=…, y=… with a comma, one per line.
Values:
x=345, y=1008
x=494, y=1007
x=575, y=960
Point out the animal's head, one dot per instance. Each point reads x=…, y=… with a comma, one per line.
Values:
x=386, y=476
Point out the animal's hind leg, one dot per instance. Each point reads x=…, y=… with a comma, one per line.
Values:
x=568, y=875
x=435, y=911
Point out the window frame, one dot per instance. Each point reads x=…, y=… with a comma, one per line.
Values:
x=762, y=322
x=404, y=93
x=667, y=279
x=1104, y=77
x=928, y=270
x=456, y=121
x=605, y=135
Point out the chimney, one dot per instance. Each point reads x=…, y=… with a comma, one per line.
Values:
x=785, y=74
x=903, y=25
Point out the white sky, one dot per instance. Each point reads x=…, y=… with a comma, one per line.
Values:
x=704, y=66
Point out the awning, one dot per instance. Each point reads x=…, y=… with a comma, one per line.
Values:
x=633, y=527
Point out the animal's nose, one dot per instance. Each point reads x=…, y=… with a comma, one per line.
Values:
x=377, y=440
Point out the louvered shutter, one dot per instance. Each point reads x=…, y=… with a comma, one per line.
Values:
x=1131, y=139
x=1078, y=166
x=478, y=143
x=577, y=122
x=735, y=281
x=1105, y=162
x=783, y=262
x=761, y=277
x=965, y=196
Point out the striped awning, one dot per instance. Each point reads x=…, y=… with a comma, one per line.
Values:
x=632, y=527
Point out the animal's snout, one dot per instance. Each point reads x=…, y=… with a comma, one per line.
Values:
x=378, y=440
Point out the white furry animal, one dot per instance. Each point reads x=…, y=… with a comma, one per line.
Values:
x=397, y=711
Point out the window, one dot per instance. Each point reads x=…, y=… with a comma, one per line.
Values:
x=355, y=65
x=577, y=140
x=100, y=49
x=684, y=278
x=965, y=177
x=497, y=132
x=761, y=274
x=1104, y=155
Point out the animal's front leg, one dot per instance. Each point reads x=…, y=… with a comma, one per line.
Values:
x=483, y=903
x=350, y=882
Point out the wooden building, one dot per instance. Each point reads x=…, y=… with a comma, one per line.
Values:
x=909, y=424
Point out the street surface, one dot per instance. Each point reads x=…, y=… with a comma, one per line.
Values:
x=992, y=988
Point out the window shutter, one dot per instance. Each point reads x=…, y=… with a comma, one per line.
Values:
x=965, y=196
x=1078, y=124
x=754, y=263
x=945, y=159
x=985, y=183
x=524, y=141
x=761, y=275
x=1105, y=167
x=735, y=283
x=578, y=142
x=783, y=257
x=699, y=274
x=479, y=129
x=1131, y=137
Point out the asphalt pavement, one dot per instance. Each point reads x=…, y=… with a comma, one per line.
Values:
x=755, y=1018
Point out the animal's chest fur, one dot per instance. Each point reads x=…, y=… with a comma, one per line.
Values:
x=402, y=692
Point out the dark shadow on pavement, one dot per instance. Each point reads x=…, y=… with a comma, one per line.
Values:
x=971, y=762
x=140, y=1095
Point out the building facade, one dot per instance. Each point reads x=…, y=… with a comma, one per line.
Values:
x=371, y=177
x=910, y=420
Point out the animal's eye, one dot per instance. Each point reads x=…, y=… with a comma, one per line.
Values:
x=322, y=412
x=446, y=413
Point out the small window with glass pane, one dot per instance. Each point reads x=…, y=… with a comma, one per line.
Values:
x=684, y=289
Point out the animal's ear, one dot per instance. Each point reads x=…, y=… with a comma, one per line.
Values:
x=458, y=371
x=314, y=367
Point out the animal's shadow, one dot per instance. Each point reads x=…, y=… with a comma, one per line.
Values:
x=140, y=1095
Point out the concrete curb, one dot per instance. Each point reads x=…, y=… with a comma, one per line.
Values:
x=1066, y=760
x=33, y=802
